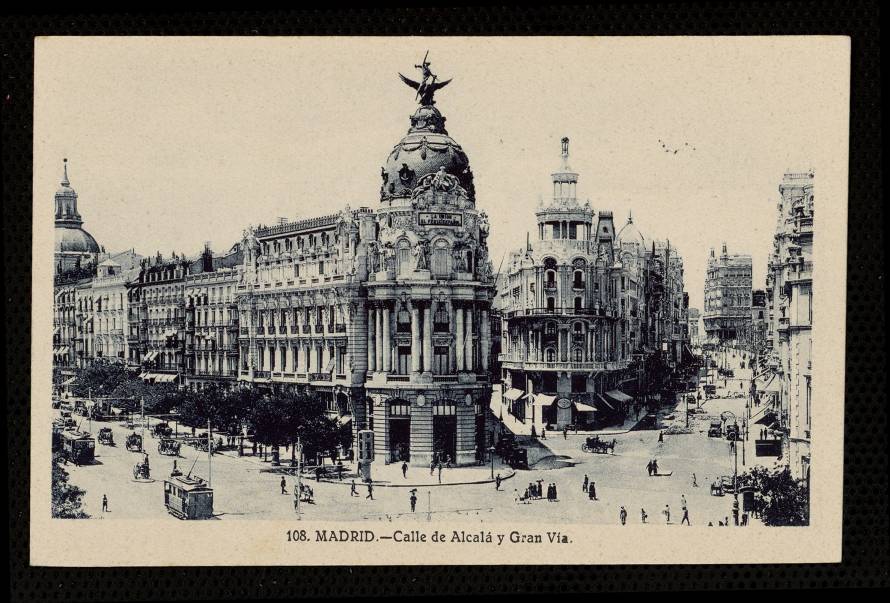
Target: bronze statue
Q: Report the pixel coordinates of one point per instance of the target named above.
(427, 87)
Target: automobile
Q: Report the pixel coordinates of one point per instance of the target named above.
(727, 484)
(715, 430)
(106, 436)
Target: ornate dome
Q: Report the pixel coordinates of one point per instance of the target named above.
(424, 150)
(71, 239)
(629, 233)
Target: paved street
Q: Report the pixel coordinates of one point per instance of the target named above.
(245, 488)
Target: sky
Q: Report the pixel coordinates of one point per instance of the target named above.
(172, 142)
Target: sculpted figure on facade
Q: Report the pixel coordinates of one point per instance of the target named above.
(421, 251)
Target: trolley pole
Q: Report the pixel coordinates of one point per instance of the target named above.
(299, 474)
(209, 456)
(142, 407)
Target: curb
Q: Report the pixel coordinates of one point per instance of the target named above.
(394, 485)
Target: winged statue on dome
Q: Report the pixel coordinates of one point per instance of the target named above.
(427, 87)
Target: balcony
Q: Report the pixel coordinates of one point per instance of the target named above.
(319, 376)
(261, 330)
(294, 329)
(319, 328)
(536, 365)
(340, 328)
(307, 329)
(282, 329)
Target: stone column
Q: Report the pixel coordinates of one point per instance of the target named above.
(452, 361)
(427, 340)
(387, 346)
(484, 340)
(378, 337)
(415, 339)
(468, 339)
(372, 331)
(459, 338)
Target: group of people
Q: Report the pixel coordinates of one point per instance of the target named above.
(589, 487)
(535, 491)
(666, 512)
(652, 467)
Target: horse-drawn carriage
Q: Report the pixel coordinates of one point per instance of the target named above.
(599, 446)
(134, 442)
(162, 430)
(511, 453)
(106, 436)
(169, 447)
(142, 470)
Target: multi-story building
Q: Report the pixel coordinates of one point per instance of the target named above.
(386, 312)
(575, 309)
(694, 318)
(727, 312)
(759, 319)
(156, 316)
(790, 301)
(110, 301)
(211, 319)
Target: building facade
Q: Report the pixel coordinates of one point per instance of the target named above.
(789, 295)
(694, 322)
(727, 311)
(385, 312)
(581, 308)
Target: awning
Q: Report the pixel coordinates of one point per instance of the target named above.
(604, 402)
(68, 381)
(152, 355)
(163, 378)
(330, 365)
(169, 333)
(56, 330)
(768, 418)
(773, 385)
(544, 400)
(514, 394)
(619, 396)
(584, 407)
(345, 420)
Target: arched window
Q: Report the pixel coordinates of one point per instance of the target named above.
(440, 319)
(578, 304)
(550, 279)
(404, 257)
(441, 258)
(578, 281)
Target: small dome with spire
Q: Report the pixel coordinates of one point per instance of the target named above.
(71, 240)
(630, 234)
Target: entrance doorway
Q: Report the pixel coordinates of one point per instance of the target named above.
(563, 412)
(444, 431)
(399, 426)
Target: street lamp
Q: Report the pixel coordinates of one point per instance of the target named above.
(491, 450)
(735, 471)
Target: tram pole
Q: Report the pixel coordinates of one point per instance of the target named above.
(209, 456)
(299, 473)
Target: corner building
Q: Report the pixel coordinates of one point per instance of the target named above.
(386, 312)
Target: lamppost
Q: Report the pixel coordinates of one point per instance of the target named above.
(735, 470)
(491, 455)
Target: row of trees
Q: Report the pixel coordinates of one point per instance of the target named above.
(273, 420)
(783, 500)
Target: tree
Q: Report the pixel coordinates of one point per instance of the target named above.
(99, 379)
(66, 498)
(785, 500)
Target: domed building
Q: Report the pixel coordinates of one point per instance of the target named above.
(75, 247)
(384, 313)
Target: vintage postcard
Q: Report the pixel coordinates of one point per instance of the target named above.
(314, 301)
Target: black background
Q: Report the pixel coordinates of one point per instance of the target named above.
(865, 539)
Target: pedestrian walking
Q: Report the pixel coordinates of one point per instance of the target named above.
(555, 497)
(685, 516)
(534, 433)
(283, 485)
(660, 437)
(694, 481)
(404, 470)
(104, 503)
(643, 515)
(340, 470)
(683, 500)
(440, 472)
(654, 466)
(565, 433)
(352, 489)
(544, 433)
(515, 496)
(622, 516)
(667, 513)
(497, 481)
(649, 467)
(413, 500)
(591, 491)
(586, 482)
(370, 491)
